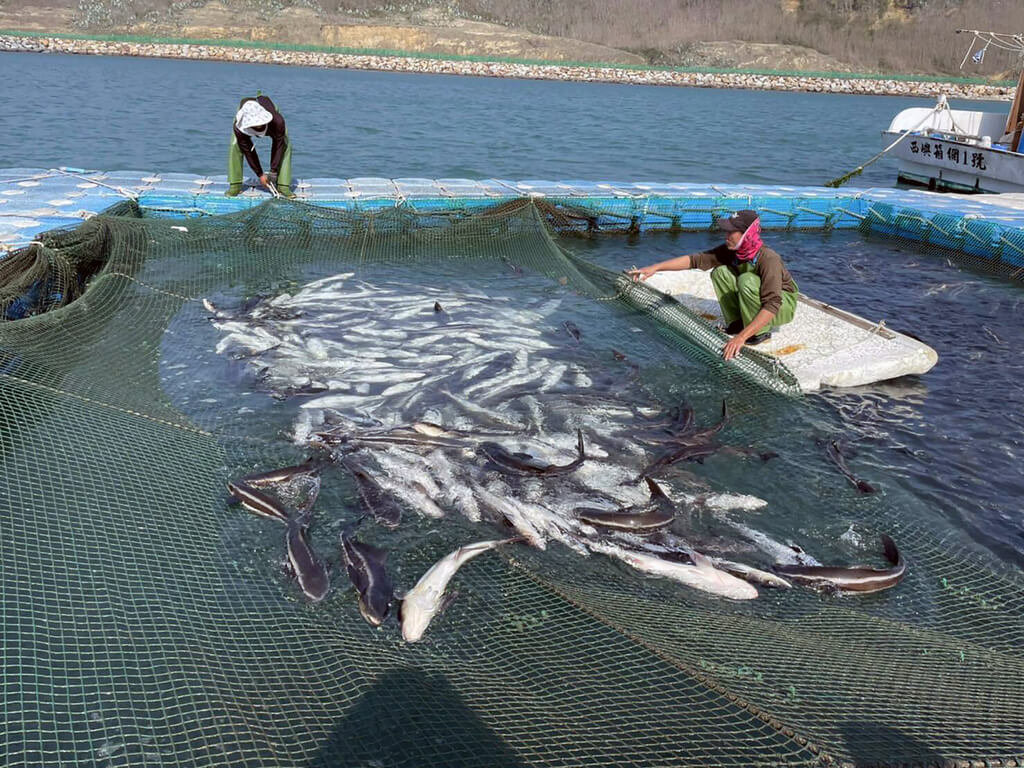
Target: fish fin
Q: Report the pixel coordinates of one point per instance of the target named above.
(438, 307)
(892, 554)
(865, 487)
(767, 455)
(579, 444)
(657, 492)
(725, 409)
(398, 610)
(701, 561)
(446, 601)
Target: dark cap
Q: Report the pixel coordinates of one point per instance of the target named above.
(738, 222)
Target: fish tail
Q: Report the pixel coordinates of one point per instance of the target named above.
(892, 554)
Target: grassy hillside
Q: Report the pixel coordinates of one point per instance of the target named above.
(886, 36)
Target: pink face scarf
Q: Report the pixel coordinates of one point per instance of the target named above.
(750, 244)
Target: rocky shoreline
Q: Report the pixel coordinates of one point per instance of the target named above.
(554, 71)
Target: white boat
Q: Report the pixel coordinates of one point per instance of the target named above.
(954, 150)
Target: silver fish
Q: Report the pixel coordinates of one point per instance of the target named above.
(749, 573)
(700, 574)
(427, 599)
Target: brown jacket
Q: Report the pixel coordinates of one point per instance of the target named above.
(775, 278)
(275, 131)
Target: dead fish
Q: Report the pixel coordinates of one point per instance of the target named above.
(835, 453)
(749, 573)
(310, 572)
(853, 579)
(573, 330)
(427, 599)
(431, 429)
(376, 501)
(213, 310)
(671, 547)
(367, 568)
(258, 502)
(700, 573)
(525, 464)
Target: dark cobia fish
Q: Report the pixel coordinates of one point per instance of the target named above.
(695, 446)
(525, 464)
(310, 572)
(650, 518)
(257, 501)
(283, 475)
(367, 568)
(856, 578)
(573, 330)
(835, 453)
(376, 501)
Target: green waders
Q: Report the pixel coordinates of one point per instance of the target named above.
(739, 296)
(284, 176)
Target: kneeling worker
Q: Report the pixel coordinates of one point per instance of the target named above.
(755, 290)
(259, 117)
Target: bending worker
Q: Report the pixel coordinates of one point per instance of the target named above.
(755, 290)
(259, 117)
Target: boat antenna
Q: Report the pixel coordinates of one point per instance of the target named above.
(999, 40)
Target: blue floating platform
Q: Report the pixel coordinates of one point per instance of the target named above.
(34, 200)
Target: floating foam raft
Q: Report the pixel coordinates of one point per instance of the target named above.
(823, 346)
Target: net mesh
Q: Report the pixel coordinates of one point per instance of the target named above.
(143, 625)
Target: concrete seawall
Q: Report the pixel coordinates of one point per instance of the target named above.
(416, 64)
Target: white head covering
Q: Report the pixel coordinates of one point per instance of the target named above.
(252, 114)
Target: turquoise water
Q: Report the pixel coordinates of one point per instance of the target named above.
(167, 116)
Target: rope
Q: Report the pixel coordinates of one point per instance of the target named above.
(120, 190)
(26, 178)
(839, 181)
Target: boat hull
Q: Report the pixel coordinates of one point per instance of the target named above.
(954, 166)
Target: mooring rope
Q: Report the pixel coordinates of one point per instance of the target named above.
(839, 181)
